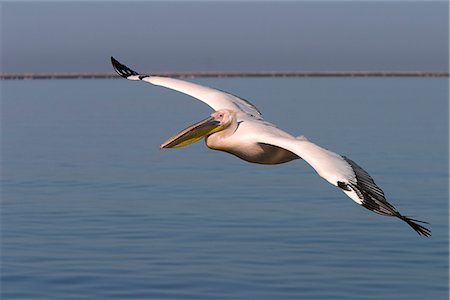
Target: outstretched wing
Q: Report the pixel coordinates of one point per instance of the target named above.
(214, 98)
(344, 173)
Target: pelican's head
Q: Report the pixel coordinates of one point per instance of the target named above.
(217, 121)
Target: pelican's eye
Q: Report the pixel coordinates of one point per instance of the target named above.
(218, 116)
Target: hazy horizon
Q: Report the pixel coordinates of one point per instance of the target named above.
(74, 37)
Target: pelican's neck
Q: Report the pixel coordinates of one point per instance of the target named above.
(218, 139)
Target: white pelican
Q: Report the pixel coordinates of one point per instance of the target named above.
(237, 127)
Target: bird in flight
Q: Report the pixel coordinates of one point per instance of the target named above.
(236, 126)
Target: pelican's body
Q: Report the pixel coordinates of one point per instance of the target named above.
(238, 139)
(237, 127)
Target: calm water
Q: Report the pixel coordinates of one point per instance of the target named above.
(92, 209)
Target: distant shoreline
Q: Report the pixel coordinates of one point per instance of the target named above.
(30, 76)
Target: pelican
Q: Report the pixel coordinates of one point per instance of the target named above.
(236, 126)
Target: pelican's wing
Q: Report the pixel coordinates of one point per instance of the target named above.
(214, 98)
(344, 173)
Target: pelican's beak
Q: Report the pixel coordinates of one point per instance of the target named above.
(193, 133)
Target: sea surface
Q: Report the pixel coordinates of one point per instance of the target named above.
(91, 208)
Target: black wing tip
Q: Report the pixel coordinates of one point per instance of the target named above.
(373, 198)
(121, 69)
(421, 230)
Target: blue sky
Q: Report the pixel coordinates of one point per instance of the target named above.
(224, 36)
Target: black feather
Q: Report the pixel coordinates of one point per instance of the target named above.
(421, 230)
(344, 186)
(122, 70)
(372, 198)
